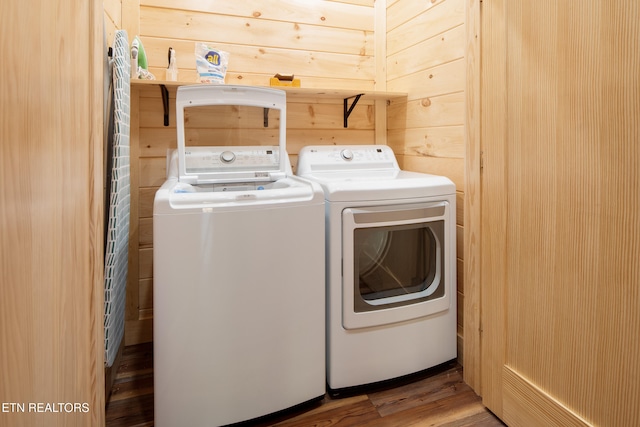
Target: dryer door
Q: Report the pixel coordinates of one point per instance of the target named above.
(394, 265)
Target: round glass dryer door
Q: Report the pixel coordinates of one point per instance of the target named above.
(396, 265)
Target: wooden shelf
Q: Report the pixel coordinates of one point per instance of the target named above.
(298, 91)
(292, 92)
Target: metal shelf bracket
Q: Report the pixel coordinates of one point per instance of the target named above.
(165, 103)
(349, 108)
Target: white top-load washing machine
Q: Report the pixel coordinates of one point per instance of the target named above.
(238, 298)
(391, 265)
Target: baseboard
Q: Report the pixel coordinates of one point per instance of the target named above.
(524, 404)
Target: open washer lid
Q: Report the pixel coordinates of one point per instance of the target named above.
(234, 150)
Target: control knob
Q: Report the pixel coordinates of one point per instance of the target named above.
(346, 154)
(227, 156)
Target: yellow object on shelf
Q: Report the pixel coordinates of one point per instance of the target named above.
(284, 80)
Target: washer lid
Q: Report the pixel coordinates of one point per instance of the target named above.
(231, 134)
(176, 197)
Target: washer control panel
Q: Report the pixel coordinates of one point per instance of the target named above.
(214, 159)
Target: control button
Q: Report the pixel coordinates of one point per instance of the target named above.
(346, 154)
(227, 156)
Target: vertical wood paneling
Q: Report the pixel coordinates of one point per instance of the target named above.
(493, 206)
(568, 338)
(51, 207)
(472, 206)
(380, 37)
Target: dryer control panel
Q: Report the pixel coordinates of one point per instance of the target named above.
(346, 157)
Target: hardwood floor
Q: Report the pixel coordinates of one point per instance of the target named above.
(441, 399)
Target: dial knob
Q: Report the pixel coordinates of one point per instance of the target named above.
(346, 154)
(227, 156)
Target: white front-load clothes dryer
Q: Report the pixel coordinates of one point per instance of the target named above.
(391, 271)
(238, 298)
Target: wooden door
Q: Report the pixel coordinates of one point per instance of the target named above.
(51, 214)
(560, 258)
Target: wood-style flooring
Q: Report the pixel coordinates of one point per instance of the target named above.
(441, 399)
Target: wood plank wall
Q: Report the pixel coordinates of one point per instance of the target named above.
(112, 18)
(327, 44)
(425, 58)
